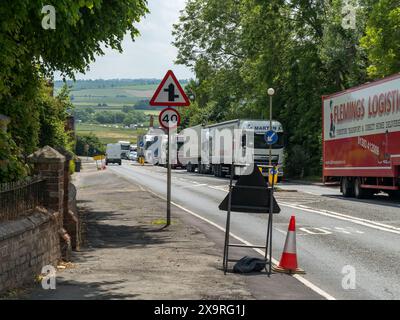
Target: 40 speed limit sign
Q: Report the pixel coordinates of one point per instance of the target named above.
(169, 118)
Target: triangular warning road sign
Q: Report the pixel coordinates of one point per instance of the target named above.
(170, 93)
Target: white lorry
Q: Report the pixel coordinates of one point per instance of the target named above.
(191, 159)
(125, 149)
(113, 153)
(205, 157)
(150, 145)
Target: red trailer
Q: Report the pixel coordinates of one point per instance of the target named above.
(361, 138)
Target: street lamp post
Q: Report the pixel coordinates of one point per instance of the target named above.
(271, 170)
(271, 92)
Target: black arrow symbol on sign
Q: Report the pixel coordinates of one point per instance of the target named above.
(171, 93)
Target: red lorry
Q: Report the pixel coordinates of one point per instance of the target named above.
(361, 138)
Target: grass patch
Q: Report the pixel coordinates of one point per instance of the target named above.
(161, 222)
(112, 96)
(107, 134)
(14, 294)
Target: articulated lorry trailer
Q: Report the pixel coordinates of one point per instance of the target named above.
(209, 160)
(361, 138)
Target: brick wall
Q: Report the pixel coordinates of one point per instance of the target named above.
(26, 246)
(42, 238)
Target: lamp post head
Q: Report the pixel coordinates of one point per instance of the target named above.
(271, 91)
(192, 97)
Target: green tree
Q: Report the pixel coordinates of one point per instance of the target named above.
(238, 49)
(382, 39)
(89, 143)
(53, 115)
(12, 164)
(29, 54)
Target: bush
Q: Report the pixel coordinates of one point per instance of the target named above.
(296, 162)
(72, 166)
(94, 146)
(12, 166)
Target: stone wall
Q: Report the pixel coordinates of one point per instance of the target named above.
(26, 246)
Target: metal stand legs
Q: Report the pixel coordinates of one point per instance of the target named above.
(268, 244)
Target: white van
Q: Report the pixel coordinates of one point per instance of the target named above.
(113, 153)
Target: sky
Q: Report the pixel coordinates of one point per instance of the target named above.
(151, 55)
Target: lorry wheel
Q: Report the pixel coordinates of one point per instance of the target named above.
(359, 192)
(219, 170)
(120, 163)
(347, 188)
(215, 170)
(223, 173)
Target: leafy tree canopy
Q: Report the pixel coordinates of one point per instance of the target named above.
(240, 48)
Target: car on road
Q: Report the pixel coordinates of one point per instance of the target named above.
(133, 156)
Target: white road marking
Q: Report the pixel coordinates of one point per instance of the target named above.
(342, 230)
(320, 231)
(276, 262)
(193, 186)
(280, 231)
(340, 216)
(332, 214)
(300, 278)
(313, 193)
(220, 188)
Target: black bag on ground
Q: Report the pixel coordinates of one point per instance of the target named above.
(248, 264)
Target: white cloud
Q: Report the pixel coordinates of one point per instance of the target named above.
(151, 55)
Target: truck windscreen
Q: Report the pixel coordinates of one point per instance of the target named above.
(260, 143)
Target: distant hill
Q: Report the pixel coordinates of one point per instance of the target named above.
(112, 94)
(101, 84)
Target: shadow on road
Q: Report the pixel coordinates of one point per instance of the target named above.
(380, 200)
(103, 232)
(81, 290)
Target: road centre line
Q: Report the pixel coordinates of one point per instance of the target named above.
(359, 221)
(332, 214)
(340, 216)
(194, 186)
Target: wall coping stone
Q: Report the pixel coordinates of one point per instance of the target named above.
(46, 155)
(9, 229)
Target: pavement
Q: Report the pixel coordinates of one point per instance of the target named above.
(340, 241)
(130, 254)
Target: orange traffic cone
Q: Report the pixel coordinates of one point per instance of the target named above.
(288, 263)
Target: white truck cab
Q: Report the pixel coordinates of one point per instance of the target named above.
(113, 153)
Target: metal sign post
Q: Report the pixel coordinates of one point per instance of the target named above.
(169, 93)
(169, 178)
(169, 119)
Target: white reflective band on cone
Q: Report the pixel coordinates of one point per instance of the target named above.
(290, 244)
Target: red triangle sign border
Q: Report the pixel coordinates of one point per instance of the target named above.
(153, 102)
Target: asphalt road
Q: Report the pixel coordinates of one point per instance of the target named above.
(338, 240)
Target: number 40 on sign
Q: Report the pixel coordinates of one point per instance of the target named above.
(169, 118)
